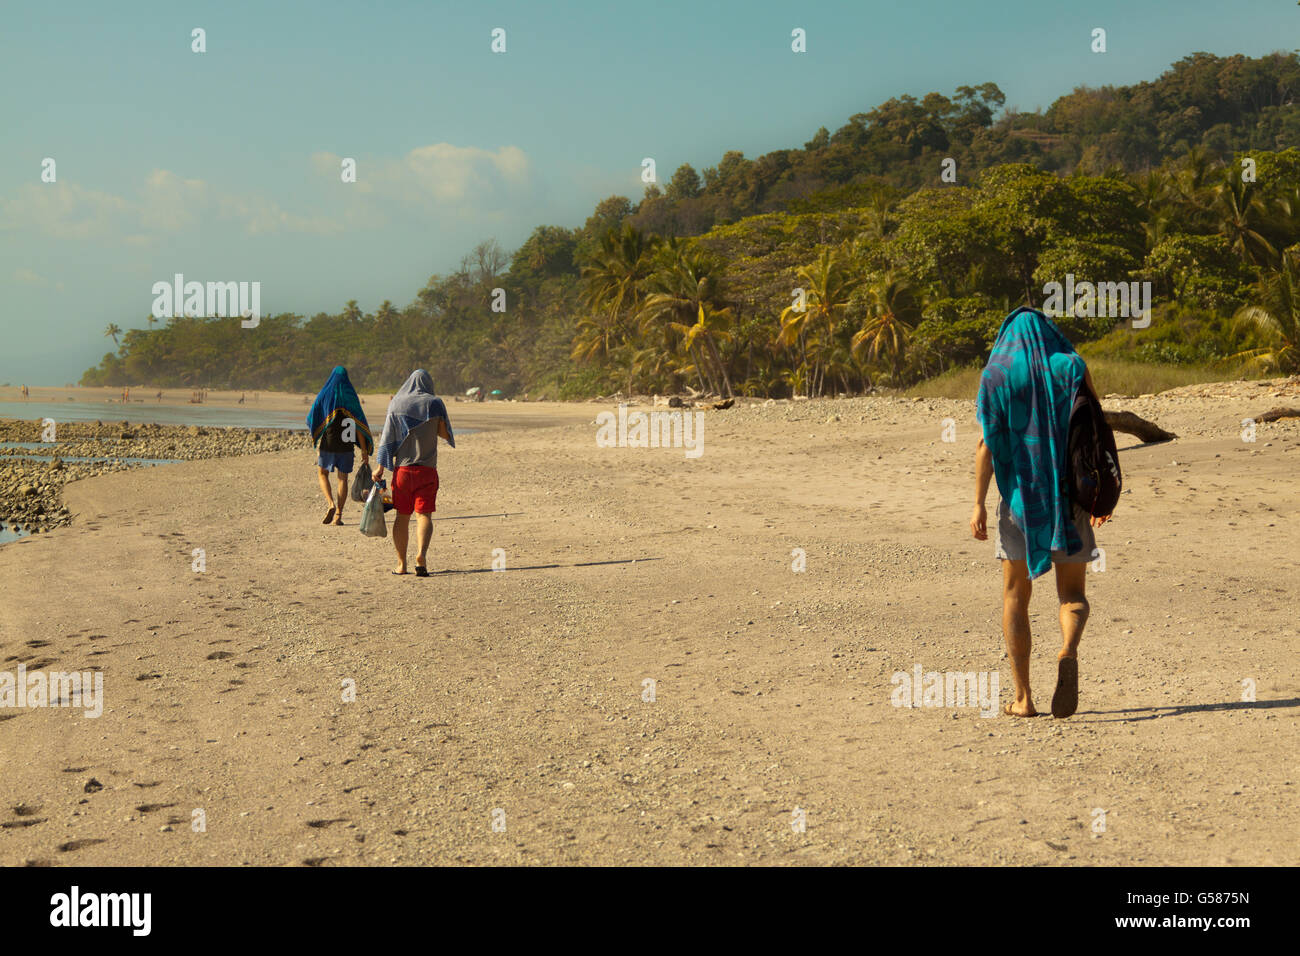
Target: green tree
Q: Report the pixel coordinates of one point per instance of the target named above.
(1275, 316)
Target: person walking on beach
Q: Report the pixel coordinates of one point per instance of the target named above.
(409, 448)
(1023, 407)
(338, 425)
(24, 393)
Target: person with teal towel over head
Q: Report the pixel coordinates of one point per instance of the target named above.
(1025, 396)
(338, 426)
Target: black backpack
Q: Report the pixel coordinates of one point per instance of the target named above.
(1091, 459)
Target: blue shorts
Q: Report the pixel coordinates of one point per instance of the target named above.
(337, 461)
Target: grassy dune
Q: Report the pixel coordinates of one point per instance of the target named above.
(1109, 375)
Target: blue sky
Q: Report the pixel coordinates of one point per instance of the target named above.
(225, 165)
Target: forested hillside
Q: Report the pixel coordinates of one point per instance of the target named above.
(1189, 182)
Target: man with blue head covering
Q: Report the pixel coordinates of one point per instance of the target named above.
(416, 419)
(1025, 396)
(338, 425)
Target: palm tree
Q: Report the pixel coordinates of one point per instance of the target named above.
(828, 285)
(617, 270)
(351, 311)
(685, 281)
(1239, 214)
(1191, 180)
(113, 331)
(386, 314)
(1276, 317)
(891, 312)
(711, 326)
(595, 338)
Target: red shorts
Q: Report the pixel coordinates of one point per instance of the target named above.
(415, 488)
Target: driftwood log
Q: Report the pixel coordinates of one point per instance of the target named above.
(1131, 424)
(1273, 414)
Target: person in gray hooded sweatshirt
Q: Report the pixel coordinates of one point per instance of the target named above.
(408, 447)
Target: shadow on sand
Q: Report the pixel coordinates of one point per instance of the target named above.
(507, 514)
(1151, 713)
(540, 567)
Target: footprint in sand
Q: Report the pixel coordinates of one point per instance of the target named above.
(73, 845)
(219, 655)
(323, 824)
(151, 807)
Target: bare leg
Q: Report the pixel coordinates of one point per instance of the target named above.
(1074, 615)
(343, 496)
(401, 525)
(423, 535)
(325, 490)
(1070, 582)
(1016, 591)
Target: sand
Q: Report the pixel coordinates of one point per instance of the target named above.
(503, 717)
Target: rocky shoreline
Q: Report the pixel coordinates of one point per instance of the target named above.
(31, 491)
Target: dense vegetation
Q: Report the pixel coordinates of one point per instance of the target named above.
(1187, 182)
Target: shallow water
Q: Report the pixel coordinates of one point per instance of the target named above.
(240, 417)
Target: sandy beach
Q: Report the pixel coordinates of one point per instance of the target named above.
(507, 717)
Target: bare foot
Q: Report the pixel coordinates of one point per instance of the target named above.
(329, 516)
(1066, 699)
(1021, 708)
(338, 519)
(401, 569)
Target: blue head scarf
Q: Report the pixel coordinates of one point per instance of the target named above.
(1024, 403)
(414, 404)
(338, 399)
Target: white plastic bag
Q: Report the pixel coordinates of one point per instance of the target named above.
(373, 524)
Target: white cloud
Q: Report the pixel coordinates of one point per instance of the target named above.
(63, 211)
(440, 174)
(171, 204)
(261, 216)
(167, 204)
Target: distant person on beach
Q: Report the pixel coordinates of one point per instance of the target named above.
(160, 396)
(24, 393)
(338, 425)
(409, 448)
(1023, 407)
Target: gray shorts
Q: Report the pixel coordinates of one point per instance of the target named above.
(1011, 540)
